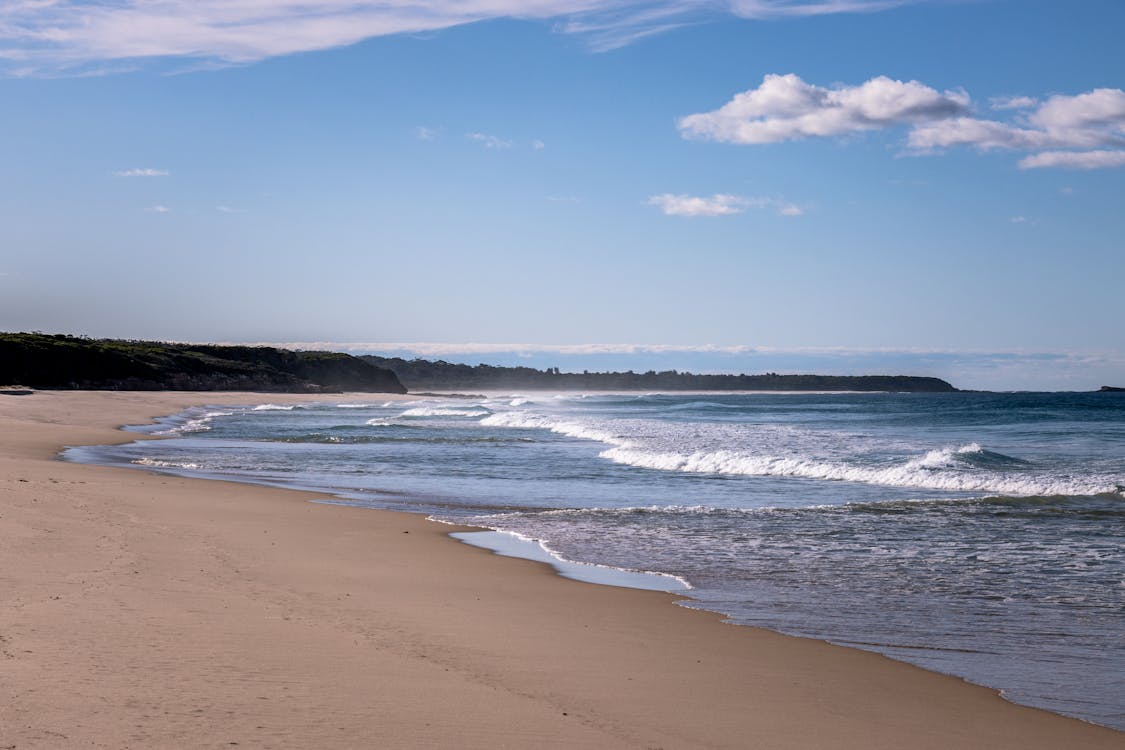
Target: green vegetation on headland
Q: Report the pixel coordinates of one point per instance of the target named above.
(58, 361)
(421, 374)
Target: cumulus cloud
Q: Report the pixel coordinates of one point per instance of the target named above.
(1083, 131)
(720, 204)
(141, 173)
(1086, 121)
(785, 108)
(1100, 108)
(39, 36)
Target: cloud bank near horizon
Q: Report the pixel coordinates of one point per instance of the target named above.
(60, 36)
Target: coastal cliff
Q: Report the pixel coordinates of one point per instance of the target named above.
(422, 375)
(58, 361)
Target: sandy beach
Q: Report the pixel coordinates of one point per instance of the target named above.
(149, 611)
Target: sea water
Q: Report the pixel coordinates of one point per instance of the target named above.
(980, 535)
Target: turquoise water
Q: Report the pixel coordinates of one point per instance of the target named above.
(981, 535)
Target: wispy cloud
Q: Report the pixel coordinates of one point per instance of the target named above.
(489, 141)
(720, 204)
(1074, 160)
(1012, 102)
(230, 210)
(83, 36)
(424, 133)
(1083, 131)
(138, 172)
(158, 209)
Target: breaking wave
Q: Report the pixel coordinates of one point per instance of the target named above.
(966, 468)
(428, 411)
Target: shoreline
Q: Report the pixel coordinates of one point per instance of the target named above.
(148, 610)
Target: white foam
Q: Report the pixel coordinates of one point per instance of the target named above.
(529, 420)
(201, 423)
(428, 411)
(274, 407)
(514, 544)
(155, 464)
(931, 471)
(357, 406)
(644, 446)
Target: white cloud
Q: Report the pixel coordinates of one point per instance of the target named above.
(229, 210)
(424, 133)
(1012, 102)
(1018, 219)
(42, 36)
(538, 145)
(1084, 131)
(142, 173)
(489, 141)
(1095, 109)
(158, 209)
(1074, 160)
(1089, 121)
(687, 205)
(785, 108)
(987, 135)
(720, 204)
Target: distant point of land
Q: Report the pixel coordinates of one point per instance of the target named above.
(427, 375)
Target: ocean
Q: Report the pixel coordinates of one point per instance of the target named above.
(976, 534)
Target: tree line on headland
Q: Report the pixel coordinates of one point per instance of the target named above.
(58, 361)
(427, 375)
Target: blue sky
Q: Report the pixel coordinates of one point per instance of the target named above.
(842, 186)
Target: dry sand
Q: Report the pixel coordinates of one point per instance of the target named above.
(147, 611)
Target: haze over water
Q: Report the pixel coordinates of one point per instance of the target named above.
(980, 535)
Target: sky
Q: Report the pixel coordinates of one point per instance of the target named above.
(930, 187)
